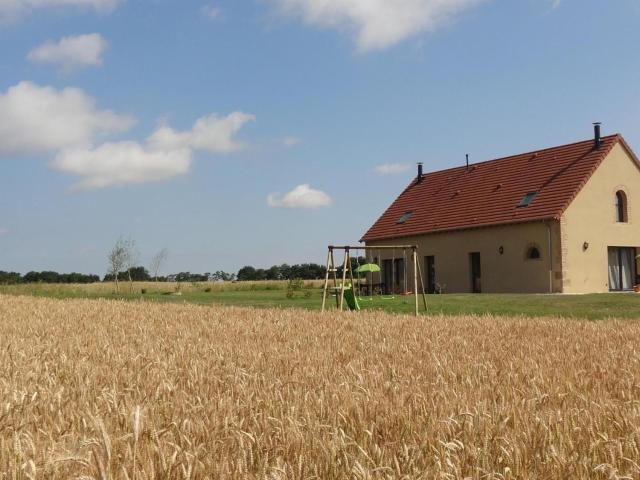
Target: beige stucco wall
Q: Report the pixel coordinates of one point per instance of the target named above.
(591, 218)
(509, 272)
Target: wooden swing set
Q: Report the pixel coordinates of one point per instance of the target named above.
(344, 292)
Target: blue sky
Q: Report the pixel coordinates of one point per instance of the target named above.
(238, 132)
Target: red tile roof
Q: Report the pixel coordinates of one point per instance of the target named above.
(488, 193)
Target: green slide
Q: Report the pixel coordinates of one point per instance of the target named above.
(350, 298)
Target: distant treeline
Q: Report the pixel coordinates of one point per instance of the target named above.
(141, 274)
(304, 271)
(46, 277)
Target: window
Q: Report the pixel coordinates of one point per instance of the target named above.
(621, 207)
(533, 253)
(406, 216)
(528, 198)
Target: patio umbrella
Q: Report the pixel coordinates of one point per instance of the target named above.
(368, 268)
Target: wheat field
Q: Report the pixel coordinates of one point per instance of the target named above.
(102, 389)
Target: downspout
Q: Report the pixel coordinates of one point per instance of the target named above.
(550, 257)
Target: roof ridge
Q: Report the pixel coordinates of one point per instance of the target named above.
(605, 138)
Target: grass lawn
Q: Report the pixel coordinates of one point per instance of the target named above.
(593, 307)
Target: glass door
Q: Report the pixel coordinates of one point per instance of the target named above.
(393, 275)
(621, 268)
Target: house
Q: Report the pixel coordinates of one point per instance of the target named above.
(558, 220)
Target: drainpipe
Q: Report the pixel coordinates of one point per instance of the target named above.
(550, 257)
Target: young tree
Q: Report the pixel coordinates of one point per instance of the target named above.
(117, 259)
(132, 256)
(158, 261)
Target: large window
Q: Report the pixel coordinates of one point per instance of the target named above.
(621, 268)
(393, 274)
(621, 207)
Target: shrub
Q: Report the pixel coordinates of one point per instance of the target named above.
(295, 284)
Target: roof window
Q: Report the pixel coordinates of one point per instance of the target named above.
(528, 198)
(405, 217)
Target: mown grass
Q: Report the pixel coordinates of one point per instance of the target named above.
(273, 295)
(97, 389)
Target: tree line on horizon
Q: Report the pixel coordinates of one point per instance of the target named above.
(124, 264)
(304, 271)
(10, 278)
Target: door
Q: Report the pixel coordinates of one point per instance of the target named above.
(476, 272)
(621, 268)
(430, 270)
(387, 276)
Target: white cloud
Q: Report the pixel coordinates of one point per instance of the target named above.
(392, 168)
(12, 9)
(377, 24)
(122, 163)
(211, 12)
(166, 153)
(210, 133)
(303, 196)
(290, 142)
(71, 53)
(37, 119)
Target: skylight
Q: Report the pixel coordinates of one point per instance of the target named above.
(528, 198)
(405, 217)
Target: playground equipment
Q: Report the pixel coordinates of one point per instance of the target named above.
(350, 297)
(344, 291)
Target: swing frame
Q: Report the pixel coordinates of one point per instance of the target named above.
(339, 289)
